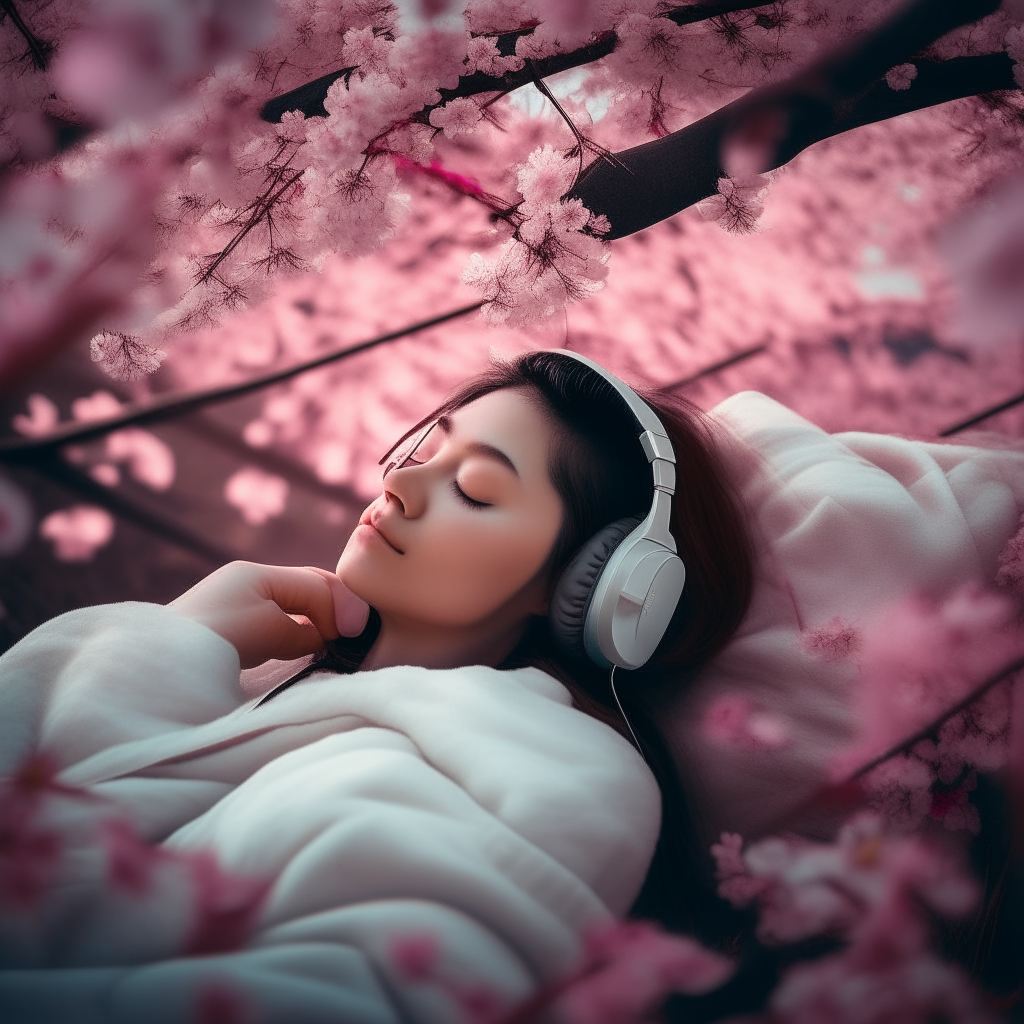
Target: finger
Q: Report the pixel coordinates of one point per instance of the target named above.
(294, 640)
(299, 590)
(350, 612)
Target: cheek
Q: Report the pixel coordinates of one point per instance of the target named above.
(460, 570)
(471, 571)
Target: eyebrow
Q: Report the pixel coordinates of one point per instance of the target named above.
(479, 447)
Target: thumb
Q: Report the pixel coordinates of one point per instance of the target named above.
(350, 612)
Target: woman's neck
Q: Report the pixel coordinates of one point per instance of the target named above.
(432, 646)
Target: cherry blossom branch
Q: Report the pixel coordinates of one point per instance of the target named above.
(843, 90)
(261, 208)
(849, 786)
(39, 49)
(52, 466)
(931, 729)
(309, 98)
(984, 415)
(23, 451)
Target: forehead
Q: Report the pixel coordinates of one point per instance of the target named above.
(510, 419)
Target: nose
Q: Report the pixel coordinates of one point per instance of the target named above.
(403, 488)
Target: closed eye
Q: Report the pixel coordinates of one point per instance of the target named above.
(466, 499)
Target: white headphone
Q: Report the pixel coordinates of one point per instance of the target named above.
(614, 601)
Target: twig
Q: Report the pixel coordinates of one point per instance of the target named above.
(977, 418)
(737, 357)
(25, 450)
(40, 49)
(51, 465)
(933, 727)
(826, 794)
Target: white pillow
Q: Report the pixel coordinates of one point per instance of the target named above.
(844, 524)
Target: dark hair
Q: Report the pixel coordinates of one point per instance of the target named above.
(601, 475)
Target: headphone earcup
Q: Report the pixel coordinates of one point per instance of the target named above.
(571, 598)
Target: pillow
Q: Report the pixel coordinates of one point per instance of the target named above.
(844, 524)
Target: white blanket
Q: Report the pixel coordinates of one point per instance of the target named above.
(845, 525)
(472, 805)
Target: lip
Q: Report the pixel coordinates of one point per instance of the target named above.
(367, 520)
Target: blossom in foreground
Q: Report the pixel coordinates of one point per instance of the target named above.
(804, 889)
(866, 890)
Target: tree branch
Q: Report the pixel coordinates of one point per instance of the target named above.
(309, 98)
(51, 465)
(983, 415)
(841, 91)
(25, 451)
(39, 49)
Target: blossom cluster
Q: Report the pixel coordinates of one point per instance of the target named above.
(869, 893)
(223, 204)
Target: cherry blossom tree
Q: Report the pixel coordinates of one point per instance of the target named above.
(239, 194)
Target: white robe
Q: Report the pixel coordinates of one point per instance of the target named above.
(473, 806)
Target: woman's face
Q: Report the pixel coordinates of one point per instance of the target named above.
(461, 532)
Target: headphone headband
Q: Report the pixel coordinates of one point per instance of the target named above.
(615, 599)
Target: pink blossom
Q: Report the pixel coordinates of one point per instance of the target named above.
(100, 405)
(77, 533)
(131, 56)
(1010, 574)
(738, 722)
(364, 49)
(259, 496)
(16, 518)
(150, 459)
(834, 641)
(226, 906)
(908, 990)
(124, 356)
(42, 419)
(803, 889)
(737, 206)
(415, 956)
(218, 1003)
(29, 850)
(920, 657)
(544, 178)
(900, 77)
(630, 968)
(456, 117)
(105, 473)
(482, 55)
(130, 862)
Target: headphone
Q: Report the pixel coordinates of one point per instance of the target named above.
(613, 602)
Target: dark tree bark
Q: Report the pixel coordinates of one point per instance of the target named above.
(844, 89)
(660, 178)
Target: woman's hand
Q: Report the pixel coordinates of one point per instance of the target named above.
(252, 605)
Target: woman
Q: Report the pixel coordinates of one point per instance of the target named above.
(461, 784)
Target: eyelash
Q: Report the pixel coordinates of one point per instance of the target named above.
(466, 499)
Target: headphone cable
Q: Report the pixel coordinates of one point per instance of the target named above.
(625, 717)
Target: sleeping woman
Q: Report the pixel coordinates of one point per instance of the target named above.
(459, 766)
